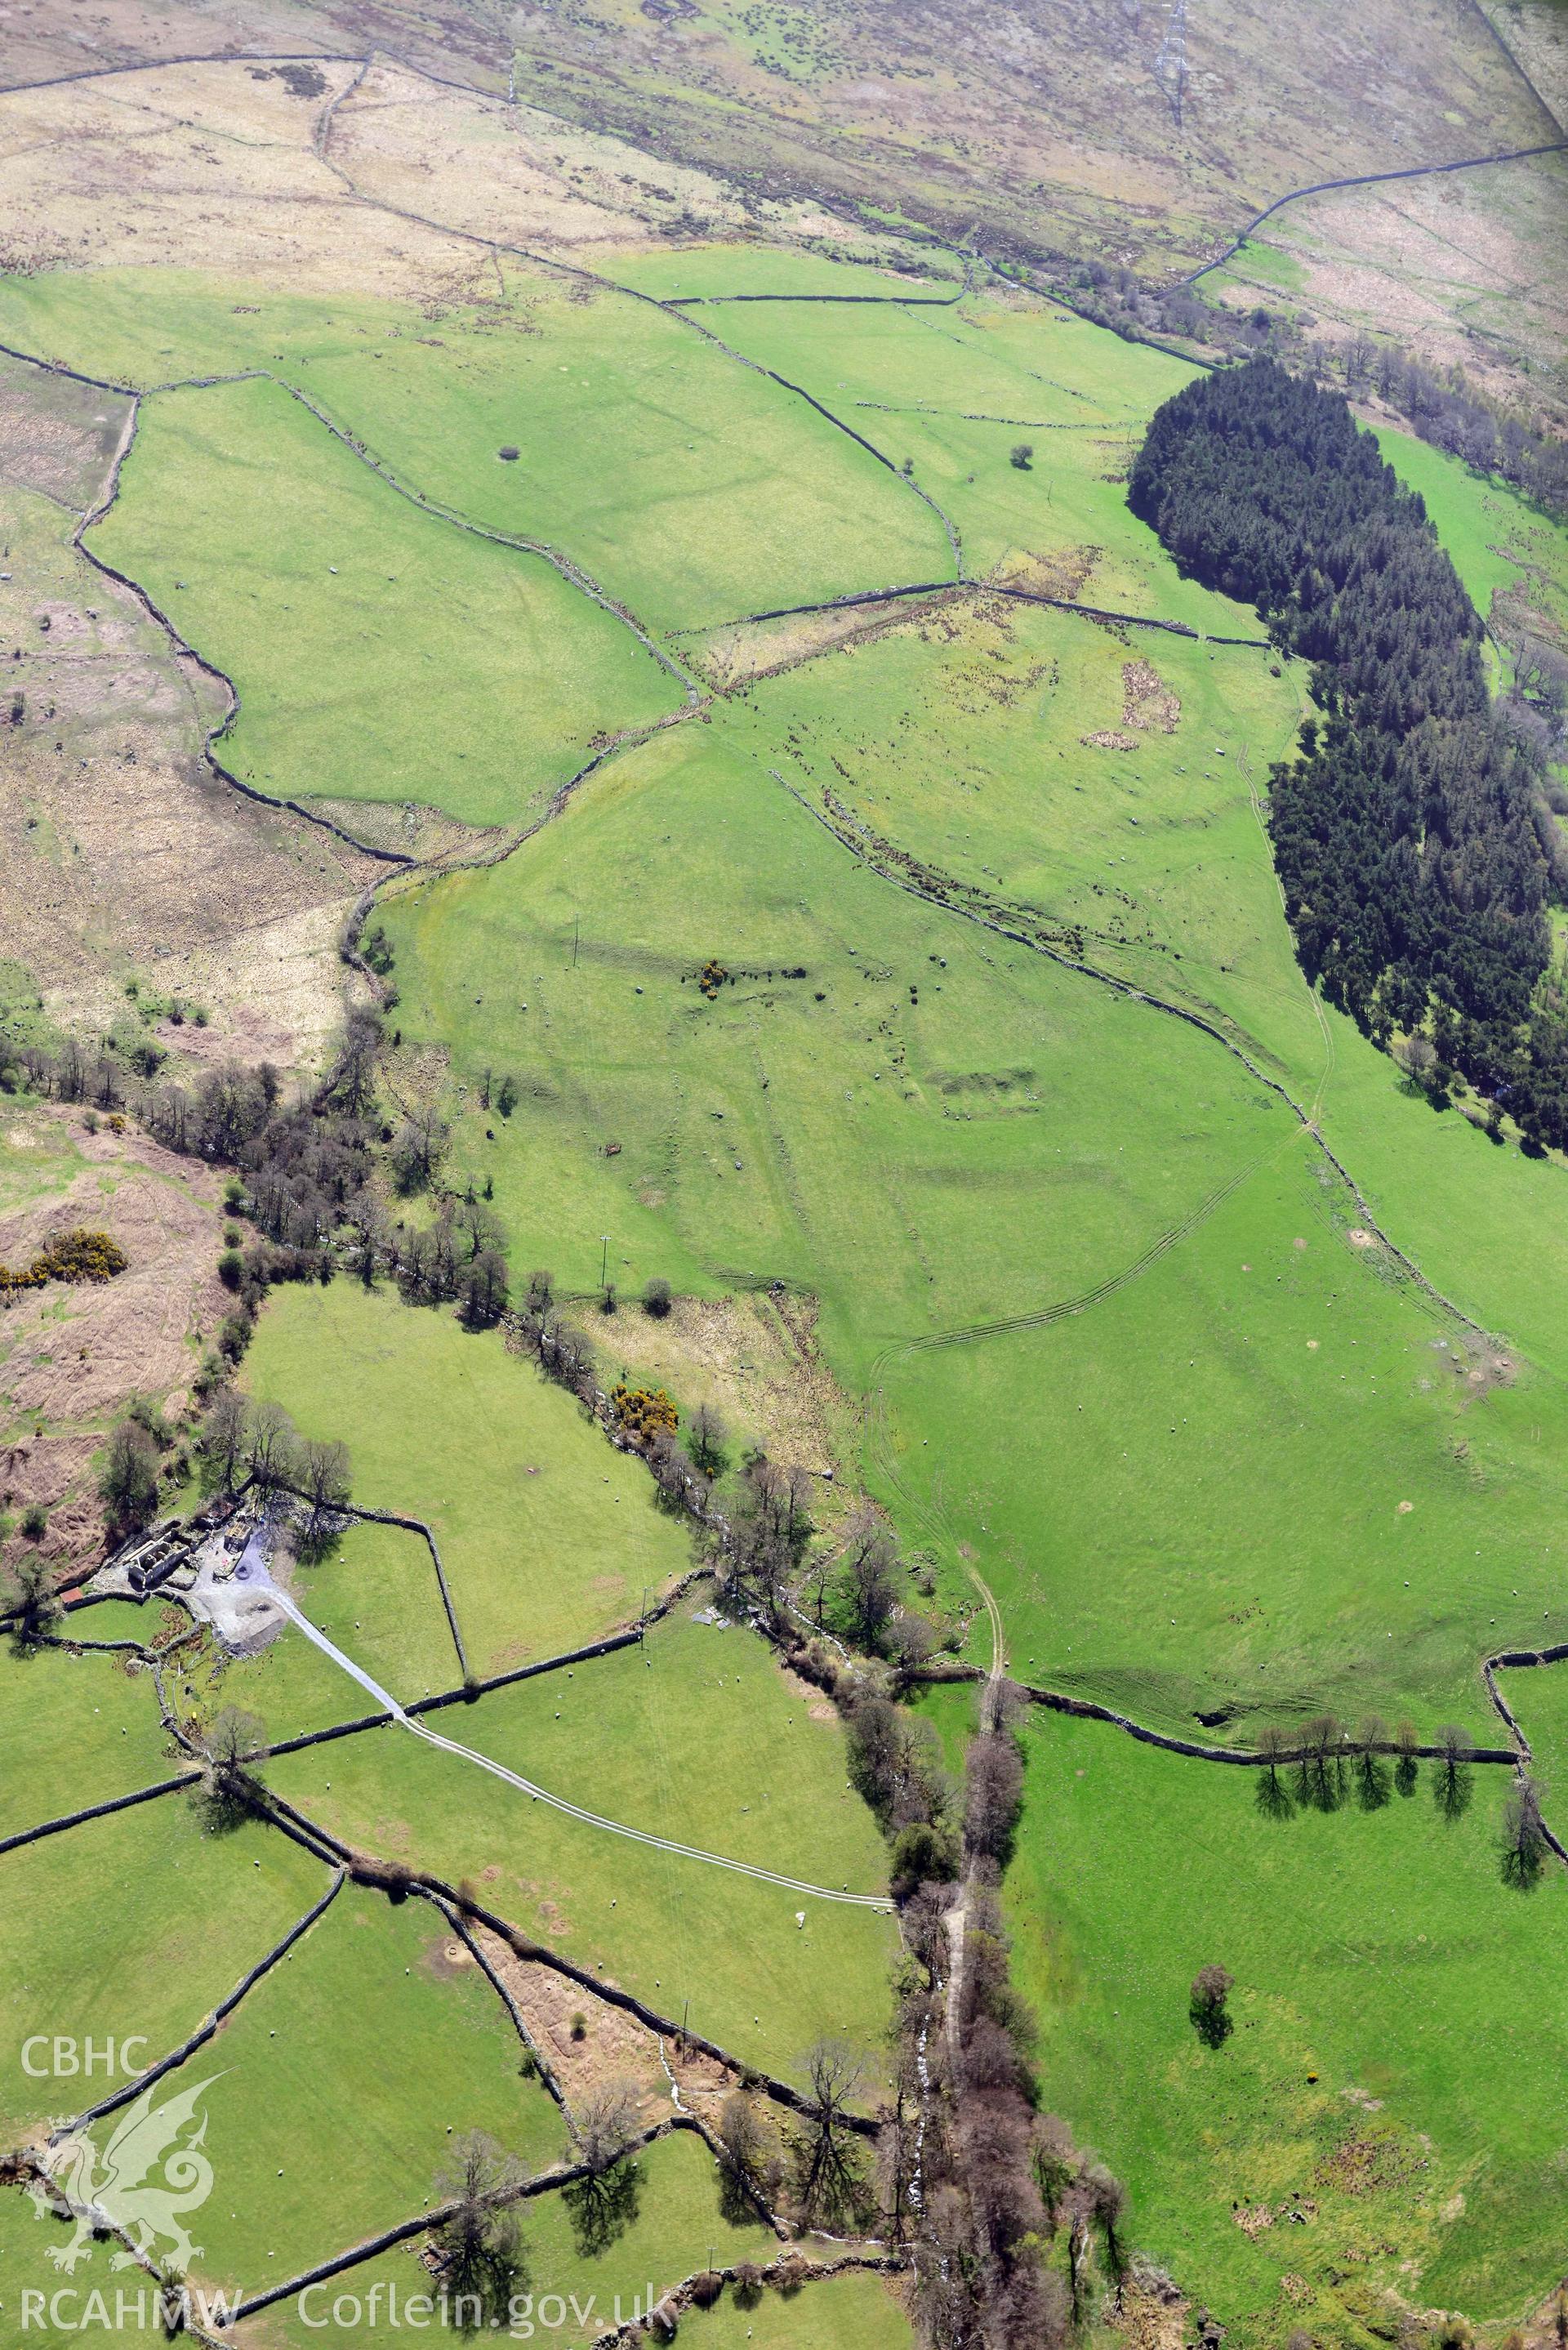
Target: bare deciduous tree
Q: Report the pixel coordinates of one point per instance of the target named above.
(354, 1079)
(608, 2122)
(829, 2183)
(478, 2244)
(994, 1791)
(28, 1595)
(1524, 1845)
(128, 1482)
(868, 1577)
(326, 1477)
(230, 1750)
(706, 1440)
(910, 1641)
(752, 2147)
(1455, 1749)
(894, 1762)
(419, 1141)
(368, 1226)
(1055, 2161)
(484, 1290)
(272, 1445)
(1210, 1990)
(1108, 2204)
(478, 1225)
(225, 1437)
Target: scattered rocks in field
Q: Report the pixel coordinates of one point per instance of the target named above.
(1148, 702)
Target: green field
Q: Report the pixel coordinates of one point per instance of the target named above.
(1503, 547)
(1537, 1696)
(1277, 1484)
(37, 1153)
(682, 1760)
(675, 2224)
(376, 1597)
(683, 481)
(319, 2129)
(1121, 1337)
(940, 1142)
(638, 1736)
(74, 1730)
(913, 1161)
(192, 1911)
(955, 392)
(757, 268)
(27, 2239)
(849, 2312)
(1393, 2061)
(1094, 780)
(549, 1538)
(460, 674)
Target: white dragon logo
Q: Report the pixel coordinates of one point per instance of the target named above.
(147, 2182)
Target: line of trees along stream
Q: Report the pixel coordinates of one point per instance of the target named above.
(1412, 831)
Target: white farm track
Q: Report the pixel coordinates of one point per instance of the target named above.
(257, 1576)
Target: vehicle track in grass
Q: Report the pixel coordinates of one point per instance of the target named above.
(1307, 1116)
(419, 1729)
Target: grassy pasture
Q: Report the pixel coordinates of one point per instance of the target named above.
(926, 1127)
(139, 1923)
(27, 2238)
(695, 1733)
(938, 746)
(1027, 1136)
(679, 2221)
(675, 2224)
(1499, 543)
(151, 1624)
(1484, 1223)
(377, 1597)
(967, 736)
(74, 1730)
(458, 673)
(848, 2312)
(686, 483)
(956, 746)
(1275, 1479)
(743, 267)
(1387, 1983)
(670, 1929)
(680, 479)
(957, 389)
(548, 1537)
(37, 1153)
(1537, 1695)
(152, 328)
(335, 2083)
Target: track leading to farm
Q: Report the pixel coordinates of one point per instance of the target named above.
(538, 1795)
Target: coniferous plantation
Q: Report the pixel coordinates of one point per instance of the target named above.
(1412, 832)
